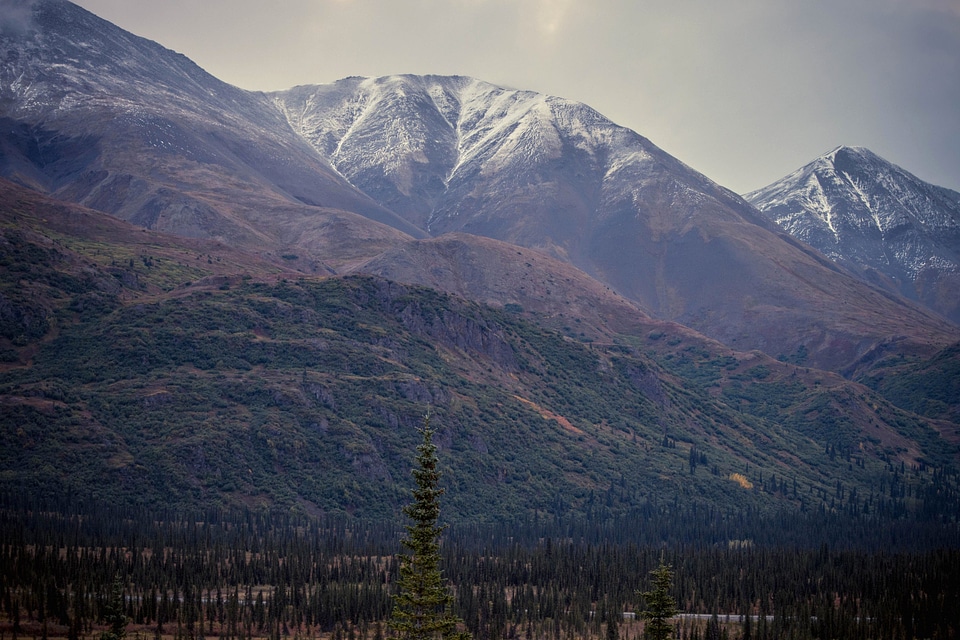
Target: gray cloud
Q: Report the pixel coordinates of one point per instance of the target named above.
(744, 92)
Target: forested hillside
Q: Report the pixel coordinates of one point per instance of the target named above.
(146, 377)
(142, 369)
(308, 393)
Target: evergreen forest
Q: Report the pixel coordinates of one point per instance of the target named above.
(240, 573)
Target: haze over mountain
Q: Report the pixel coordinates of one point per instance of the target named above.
(871, 215)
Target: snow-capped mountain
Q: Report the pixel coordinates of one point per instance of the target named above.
(329, 177)
(870, 214)
(99, 116)
(458, 154)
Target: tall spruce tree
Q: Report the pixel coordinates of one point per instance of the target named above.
(423, 606)
(660, 604)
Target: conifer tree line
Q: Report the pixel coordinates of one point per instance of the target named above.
(249, 574)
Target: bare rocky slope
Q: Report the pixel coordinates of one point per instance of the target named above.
(98, 116)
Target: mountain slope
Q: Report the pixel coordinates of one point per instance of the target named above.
(269, 389)
(870, 215)
(551, 292)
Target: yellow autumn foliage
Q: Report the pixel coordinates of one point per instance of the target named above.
(741, 480)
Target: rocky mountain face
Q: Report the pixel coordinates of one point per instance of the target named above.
(874, 217)
(329, 178)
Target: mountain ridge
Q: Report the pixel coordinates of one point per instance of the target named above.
(164, 144)
(348, 171)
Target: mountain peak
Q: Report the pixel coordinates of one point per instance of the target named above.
(847, 156)
(850, 149)
(866, 212)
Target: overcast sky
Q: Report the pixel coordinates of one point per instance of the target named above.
(743, 91)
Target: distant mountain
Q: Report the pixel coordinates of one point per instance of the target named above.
(874, 217)
(457, 154)
(327, 178)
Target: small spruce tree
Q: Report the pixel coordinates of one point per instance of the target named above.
(423, 606)
(660, 604)
(115, 614)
